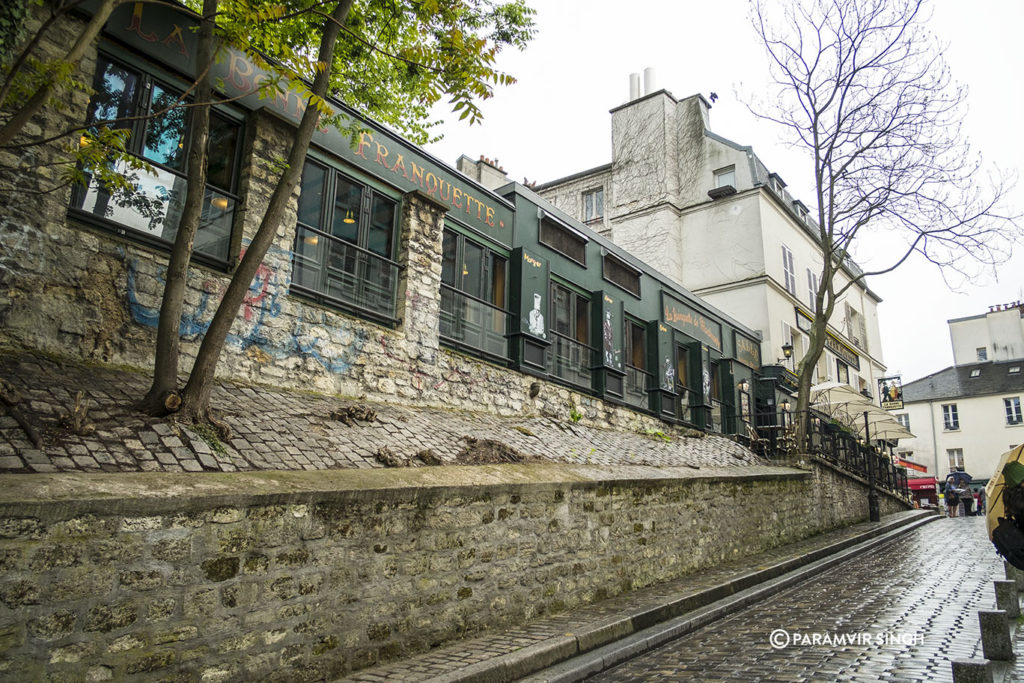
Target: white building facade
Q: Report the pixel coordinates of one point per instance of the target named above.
(707, 213)
(969, 414)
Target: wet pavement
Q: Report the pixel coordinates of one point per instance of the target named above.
(900, 612)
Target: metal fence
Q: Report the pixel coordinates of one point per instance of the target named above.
(775, 436)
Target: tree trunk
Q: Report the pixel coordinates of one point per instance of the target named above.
(73, 56)
(162, 396)
(196, 395)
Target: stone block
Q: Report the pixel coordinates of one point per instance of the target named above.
(106, 618)
(995, 635)
(1007, 598)
(971, 671)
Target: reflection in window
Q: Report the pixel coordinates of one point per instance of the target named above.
(344, 243)
(125, 98)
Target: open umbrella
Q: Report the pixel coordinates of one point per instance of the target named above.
(994, 489)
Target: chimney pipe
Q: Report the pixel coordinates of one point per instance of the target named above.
(634, 86)
(648, 80)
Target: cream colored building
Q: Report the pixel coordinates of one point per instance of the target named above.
(706, 212)
(970, 414)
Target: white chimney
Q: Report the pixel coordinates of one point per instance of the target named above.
(634, 86)
(648, 80)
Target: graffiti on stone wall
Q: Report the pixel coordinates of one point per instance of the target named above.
(260, 330)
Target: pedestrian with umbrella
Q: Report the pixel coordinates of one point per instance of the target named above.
(958, 488)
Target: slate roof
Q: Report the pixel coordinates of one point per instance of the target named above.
(956, 382)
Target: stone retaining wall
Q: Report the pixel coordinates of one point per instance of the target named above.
(301, 576)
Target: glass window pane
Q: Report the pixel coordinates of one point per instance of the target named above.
(582, 320)
(221, 152)
(382, 226)
(472, 269)
(347, 198)
(498, 281)
(115, 94)
(165, 130)
(560, 316)
(311, 197)
(636, 346)
(449, 249)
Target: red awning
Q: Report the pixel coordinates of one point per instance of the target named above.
(918, 483)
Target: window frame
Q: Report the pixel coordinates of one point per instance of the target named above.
(368, 193)
(812, 289)
(621, 263)
(982, 353)
(788, 270)
(955, 457)
(950, 417)
(559, 226)
(148, 76)
(1012, 409)
(588, 205)
(723, 173)
(903, 419)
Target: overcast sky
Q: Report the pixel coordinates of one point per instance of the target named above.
(555, 122)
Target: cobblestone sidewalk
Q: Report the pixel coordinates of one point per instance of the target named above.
(280, 430)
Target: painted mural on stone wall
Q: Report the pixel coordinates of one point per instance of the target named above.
(328, 340)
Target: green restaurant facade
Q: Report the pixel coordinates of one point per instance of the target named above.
(522, 285)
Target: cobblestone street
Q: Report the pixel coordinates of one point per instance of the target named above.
(910, 606)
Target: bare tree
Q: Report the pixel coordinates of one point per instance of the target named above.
(862, 86)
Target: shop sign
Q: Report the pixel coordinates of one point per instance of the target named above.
(689, 322)
(890, 392)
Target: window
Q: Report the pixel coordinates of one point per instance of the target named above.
(789, 270)
(1014, 369)
(620, 273)
(842, 372)
(1012, 406)
(344, 243)
(725, 177)
(903, 419)
(473, 295)
(950, 419)
(593, 204)
(571, 355)
(564, 241)
(636, 362)
(956, 457)
(976, 372)
(127, 98)
(812, 289)
(982, 353)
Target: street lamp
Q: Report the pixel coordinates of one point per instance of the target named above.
(787, 353)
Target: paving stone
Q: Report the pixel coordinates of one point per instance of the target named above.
(11, 462)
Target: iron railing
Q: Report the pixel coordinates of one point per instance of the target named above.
(334, 269)
(636, 388)
(775, 435)
(570, 360)
(472, 323)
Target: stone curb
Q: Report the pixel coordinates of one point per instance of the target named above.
(612, 641)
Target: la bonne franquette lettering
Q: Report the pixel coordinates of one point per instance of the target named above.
(431, 183)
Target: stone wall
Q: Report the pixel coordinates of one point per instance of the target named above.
(301, 576)
(73, 290)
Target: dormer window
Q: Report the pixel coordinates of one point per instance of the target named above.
(800, 209)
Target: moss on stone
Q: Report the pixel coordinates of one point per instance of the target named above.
(221, 568)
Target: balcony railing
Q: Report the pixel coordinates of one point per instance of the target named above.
(570, 360)
(336, 270)
(474, 324)
(717, 416)
(636, 387)
(683, 411)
